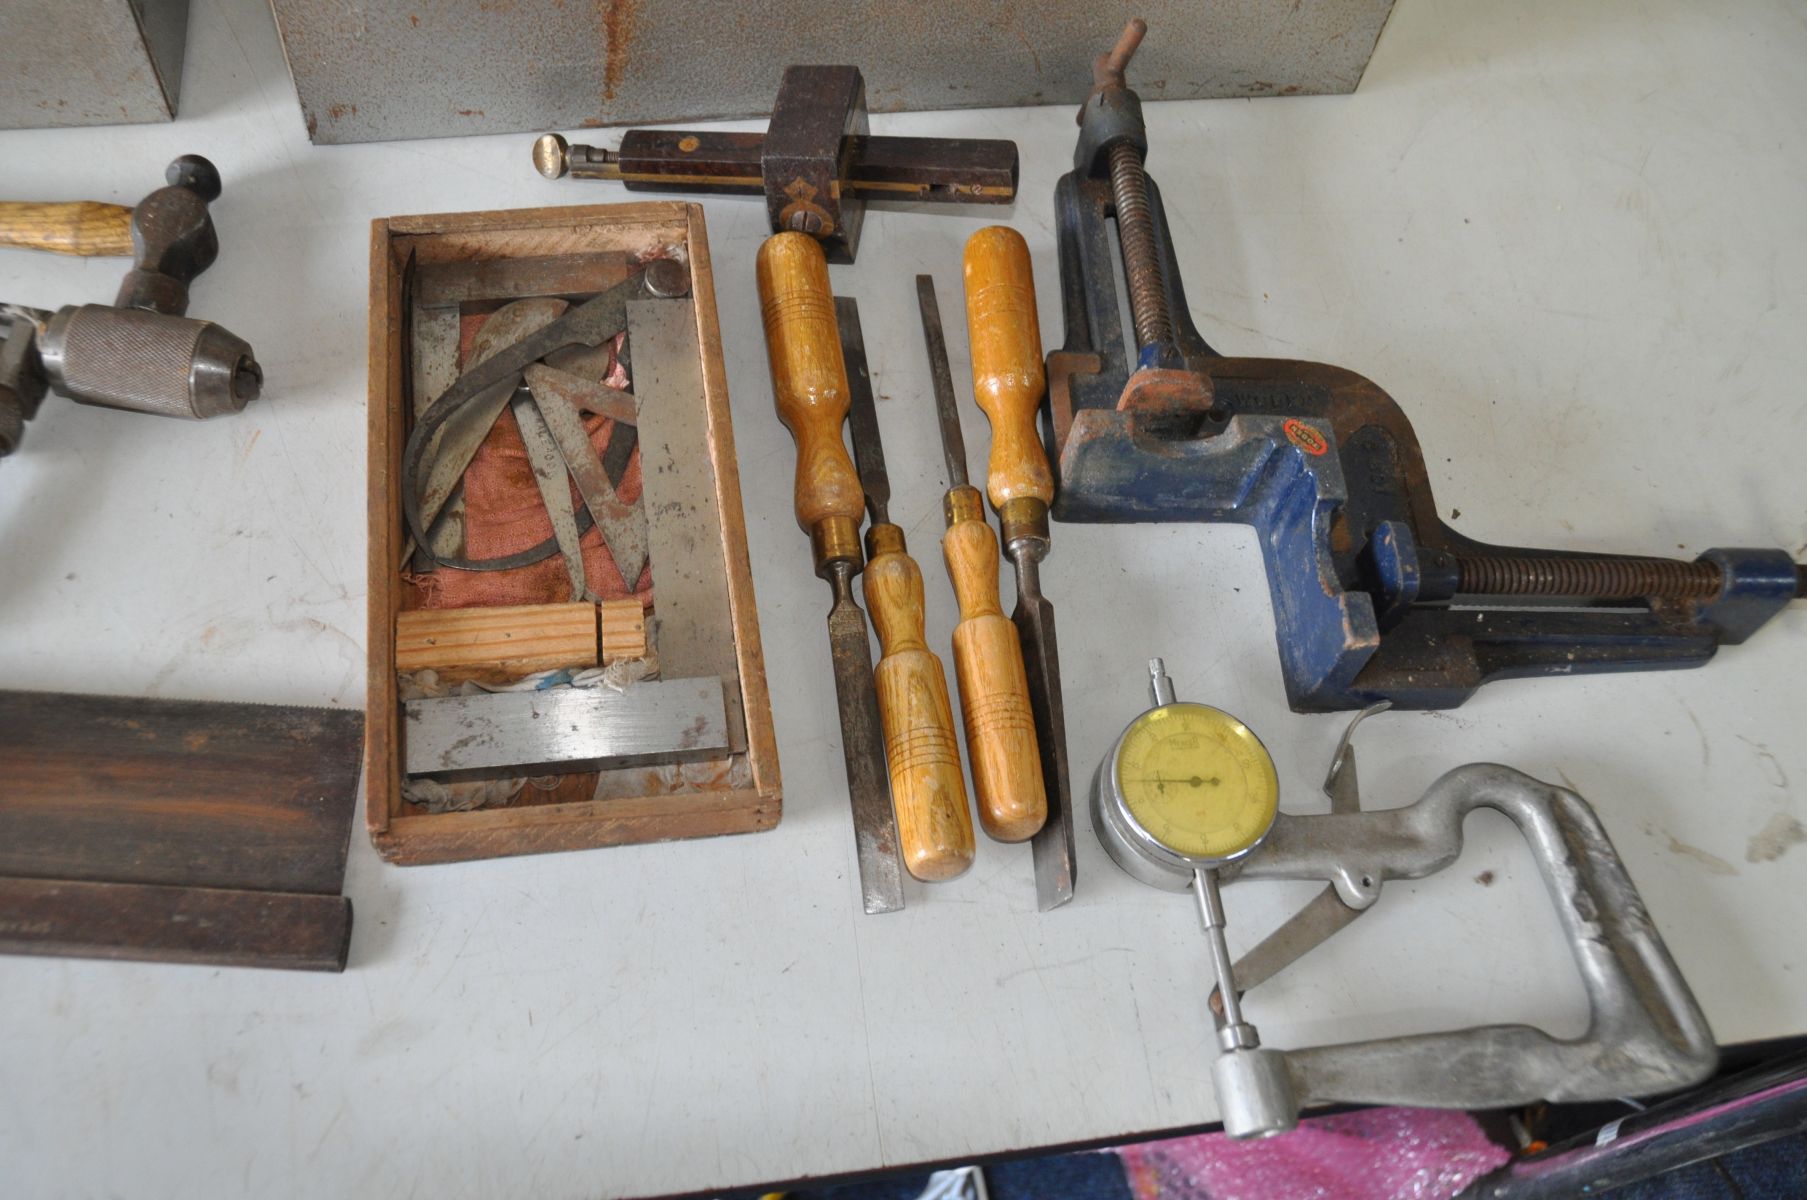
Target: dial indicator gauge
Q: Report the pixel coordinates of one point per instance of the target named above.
(1197, 781)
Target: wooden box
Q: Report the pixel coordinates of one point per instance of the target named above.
(567, 816)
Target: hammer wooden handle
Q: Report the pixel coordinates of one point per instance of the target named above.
(994, 688)
(1008, 379)
(85, 227)
(809, 378)
(928, 790)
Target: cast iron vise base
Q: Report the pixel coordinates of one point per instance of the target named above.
(1326, 468)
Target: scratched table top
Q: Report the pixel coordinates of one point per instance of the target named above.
(1565, 237)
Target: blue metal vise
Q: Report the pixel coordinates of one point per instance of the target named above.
(1375, 598)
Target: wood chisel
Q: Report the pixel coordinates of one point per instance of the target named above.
(928, 791)
(809, 384)
(988, 661)
(1008, 381)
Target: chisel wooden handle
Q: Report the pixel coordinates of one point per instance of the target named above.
(85, 227)
(994, 688)
(928, 790)
(1008, 379)
(809, 380)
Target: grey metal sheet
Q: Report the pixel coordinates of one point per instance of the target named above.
(562, 729)
(568, 275)
(435, 370)
(400, 69)
(695, 630)
(90, 62)
(549, 473)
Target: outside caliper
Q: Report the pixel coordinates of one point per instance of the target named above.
(1327, 469)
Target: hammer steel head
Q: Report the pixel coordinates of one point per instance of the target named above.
(195, 173)
(173, 238)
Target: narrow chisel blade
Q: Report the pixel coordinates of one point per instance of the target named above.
(1052, 847)
(868, 785)
(862, 413)
(953, 442)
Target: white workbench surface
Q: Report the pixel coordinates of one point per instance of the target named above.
(1566, 237)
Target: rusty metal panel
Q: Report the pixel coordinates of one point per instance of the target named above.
(372, 70)
(124, 68)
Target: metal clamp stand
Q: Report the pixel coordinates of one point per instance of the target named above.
(1645, 1032)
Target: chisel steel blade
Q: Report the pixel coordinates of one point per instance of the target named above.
(868, 785)
(1052, 847)
(947, 412)
(862, 413)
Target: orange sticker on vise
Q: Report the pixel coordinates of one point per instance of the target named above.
(1305, 437)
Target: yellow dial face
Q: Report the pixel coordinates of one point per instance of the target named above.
(1198, 781)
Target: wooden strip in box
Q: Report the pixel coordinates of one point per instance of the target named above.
(623, 630)
(518, 638)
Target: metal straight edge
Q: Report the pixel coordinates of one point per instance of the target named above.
(564, 729)
(431, 308)
(549, 473)
(589, 323)
(595, 398)
(453, 447)
(1051, 848)
(623, 525)
(576, 373)
(433, 361)
(694, 633)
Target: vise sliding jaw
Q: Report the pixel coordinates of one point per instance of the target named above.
(1365, 577)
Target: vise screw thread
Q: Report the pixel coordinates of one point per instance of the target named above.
(1597, 578)
(1135, 231)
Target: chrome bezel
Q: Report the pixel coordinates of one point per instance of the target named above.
(1127, 838)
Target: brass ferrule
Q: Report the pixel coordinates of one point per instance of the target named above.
(835, 540)
(1025, 519)
(883, 539)
(963, 504)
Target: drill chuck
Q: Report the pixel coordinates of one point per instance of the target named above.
(148, 362)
